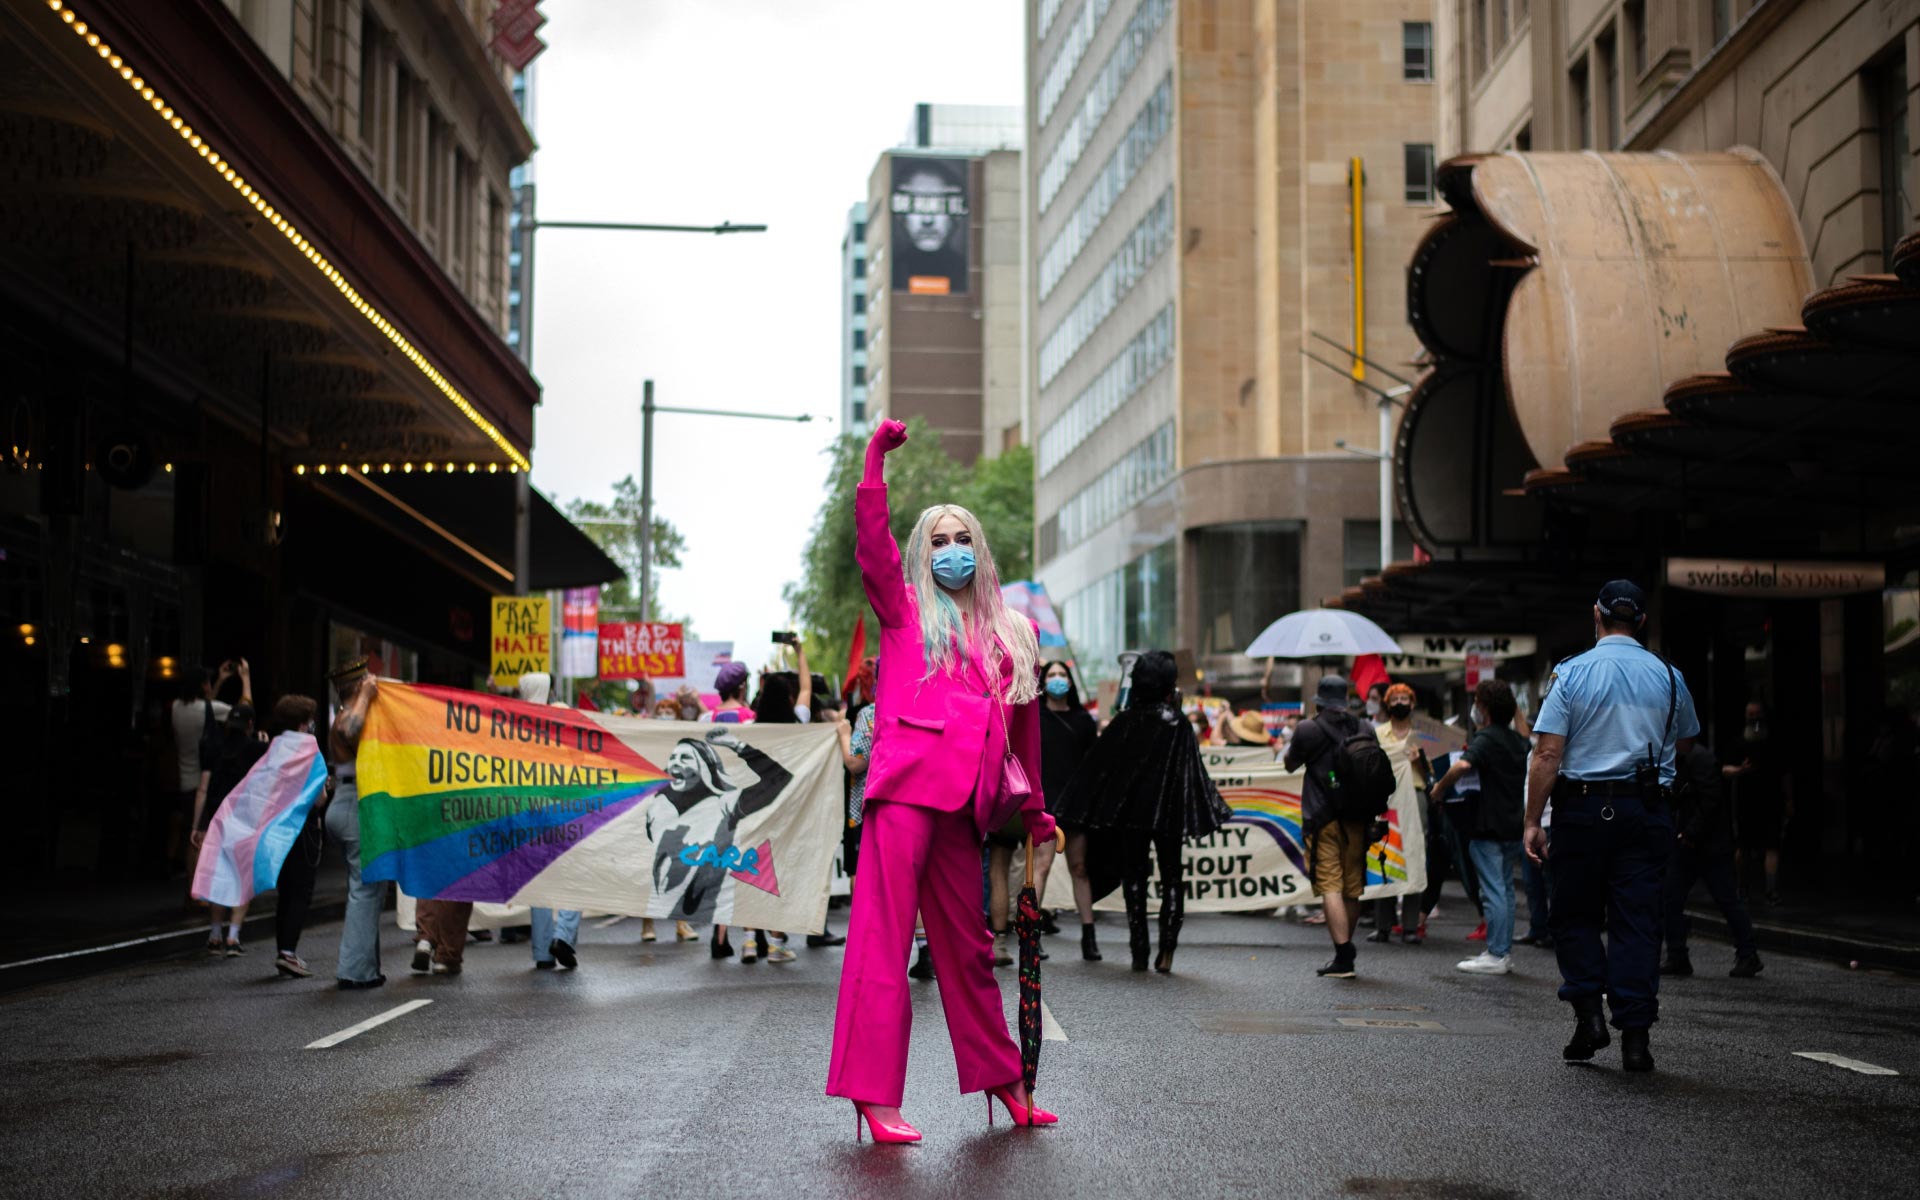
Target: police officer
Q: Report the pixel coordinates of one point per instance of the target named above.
(1608, 734)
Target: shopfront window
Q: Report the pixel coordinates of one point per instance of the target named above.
(1248, 577)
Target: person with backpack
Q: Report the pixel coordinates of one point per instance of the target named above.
(1348, 787)
(1499, 756)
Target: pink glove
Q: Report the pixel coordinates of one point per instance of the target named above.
(1040, 826)
(889, 435)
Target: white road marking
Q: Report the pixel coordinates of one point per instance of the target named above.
(1050, 1030)
(610, 922)
(158, 937)
(1841, 1060)
(398, 1010)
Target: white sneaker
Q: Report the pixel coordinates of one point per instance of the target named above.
(780, 954)
(1486, 964)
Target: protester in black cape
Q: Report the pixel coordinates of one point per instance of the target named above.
(1143, 786)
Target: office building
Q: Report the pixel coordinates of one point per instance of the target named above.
(1212, 190)
(853, 322)
(943, 289)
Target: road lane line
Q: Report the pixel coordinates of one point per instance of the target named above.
(141, 941)
(1050, 1030)
(610, 922)
(1842, 1061)
(398, 1010)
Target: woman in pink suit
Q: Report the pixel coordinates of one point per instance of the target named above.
(957, 690)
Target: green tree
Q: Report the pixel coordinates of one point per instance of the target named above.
(829, 597)
(615, 527)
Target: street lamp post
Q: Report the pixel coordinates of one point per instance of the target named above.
(1386, 398)
(647, 409)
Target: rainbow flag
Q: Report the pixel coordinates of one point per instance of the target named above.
(469, 797)
(257, 824)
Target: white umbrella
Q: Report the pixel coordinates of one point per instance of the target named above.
(1322, 633)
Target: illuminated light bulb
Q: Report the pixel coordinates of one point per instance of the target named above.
(80, 27)
(323, 468)
(26, 630)
(84, 640)
(386, 468)
(176, 122)
(493, 468)
(428, 467)
(116, 63)
(470, 468)
(93, 39)
(300, 470)
(67, 16)
(343, 468)
(449, 468)
(406, 468)
(169, 468)
(29, 641)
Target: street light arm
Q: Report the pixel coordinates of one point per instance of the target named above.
(723, 227)
(724, 412)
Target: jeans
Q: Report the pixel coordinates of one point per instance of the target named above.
(1536, 880)
(548, 925)
(1714, 866)
(1609, 857)
(1494, 862)
(360, 935)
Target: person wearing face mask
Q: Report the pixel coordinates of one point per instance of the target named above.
(958, 726)
(1067, 733)
(1401, 914)
(1377, 702)
(1763, 801)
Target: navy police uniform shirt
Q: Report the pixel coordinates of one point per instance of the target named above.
(1611, 705)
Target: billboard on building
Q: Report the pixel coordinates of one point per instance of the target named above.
(929, 206)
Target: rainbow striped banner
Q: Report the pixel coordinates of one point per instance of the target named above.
(466, 796)
(256, 825)
(1258, 859)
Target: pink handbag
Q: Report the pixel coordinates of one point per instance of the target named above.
(1013, 789)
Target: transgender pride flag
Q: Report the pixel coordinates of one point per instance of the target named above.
(258, 822)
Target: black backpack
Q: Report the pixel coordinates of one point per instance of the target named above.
(1360, 778)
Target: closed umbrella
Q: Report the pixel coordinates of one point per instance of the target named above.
(1026, 922)
(1321, 633)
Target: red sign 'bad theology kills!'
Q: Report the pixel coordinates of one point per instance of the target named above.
(642, 650)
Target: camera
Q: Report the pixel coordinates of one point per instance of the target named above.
(785, 638)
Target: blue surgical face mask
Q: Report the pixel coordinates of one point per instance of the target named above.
(1059, 685)
(953, 566)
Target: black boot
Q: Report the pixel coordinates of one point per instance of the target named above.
(1746, 966)
(1134, 891)
(721, 948)
(1173, 912)
(1342, 965)
(1089, 948)
(1678, 963)
(1635, 1054)
(1589, 1031)
(922, 968)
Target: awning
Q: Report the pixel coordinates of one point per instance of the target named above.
(466, 522)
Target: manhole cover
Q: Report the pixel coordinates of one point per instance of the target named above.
(1380, 1008)
(1387, 1023)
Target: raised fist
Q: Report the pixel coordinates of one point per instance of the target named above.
(891, 435)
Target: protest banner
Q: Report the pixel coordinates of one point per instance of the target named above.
(579, 632)
(1258, 859)
(522, 639)
(465, 796)
(641, 650)
(703, 661)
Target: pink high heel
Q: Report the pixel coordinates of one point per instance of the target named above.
(1022, 1114)
(883, 1133)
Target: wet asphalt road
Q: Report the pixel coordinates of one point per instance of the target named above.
(654, 1071)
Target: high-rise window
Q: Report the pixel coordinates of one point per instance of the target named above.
(1582, 108)
(1607, 65)
(859, 375)
(1416, 51)
(859, 339)
(859, 303)
(1419, 169)
(859, 268)
(1896, 156)
(369, 82)
(1635, 15)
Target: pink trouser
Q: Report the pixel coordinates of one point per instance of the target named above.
(915, 859)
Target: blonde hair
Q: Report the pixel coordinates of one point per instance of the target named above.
(1001, 634)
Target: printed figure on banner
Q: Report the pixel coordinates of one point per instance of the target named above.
(692, 824)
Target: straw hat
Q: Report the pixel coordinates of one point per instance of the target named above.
(1249, 728)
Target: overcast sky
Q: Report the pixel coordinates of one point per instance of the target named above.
(695, 112)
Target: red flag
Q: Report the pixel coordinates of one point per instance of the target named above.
(1368, 669)
(858, 655)
(584, 702)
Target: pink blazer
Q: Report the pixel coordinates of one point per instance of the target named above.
(937, 743)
